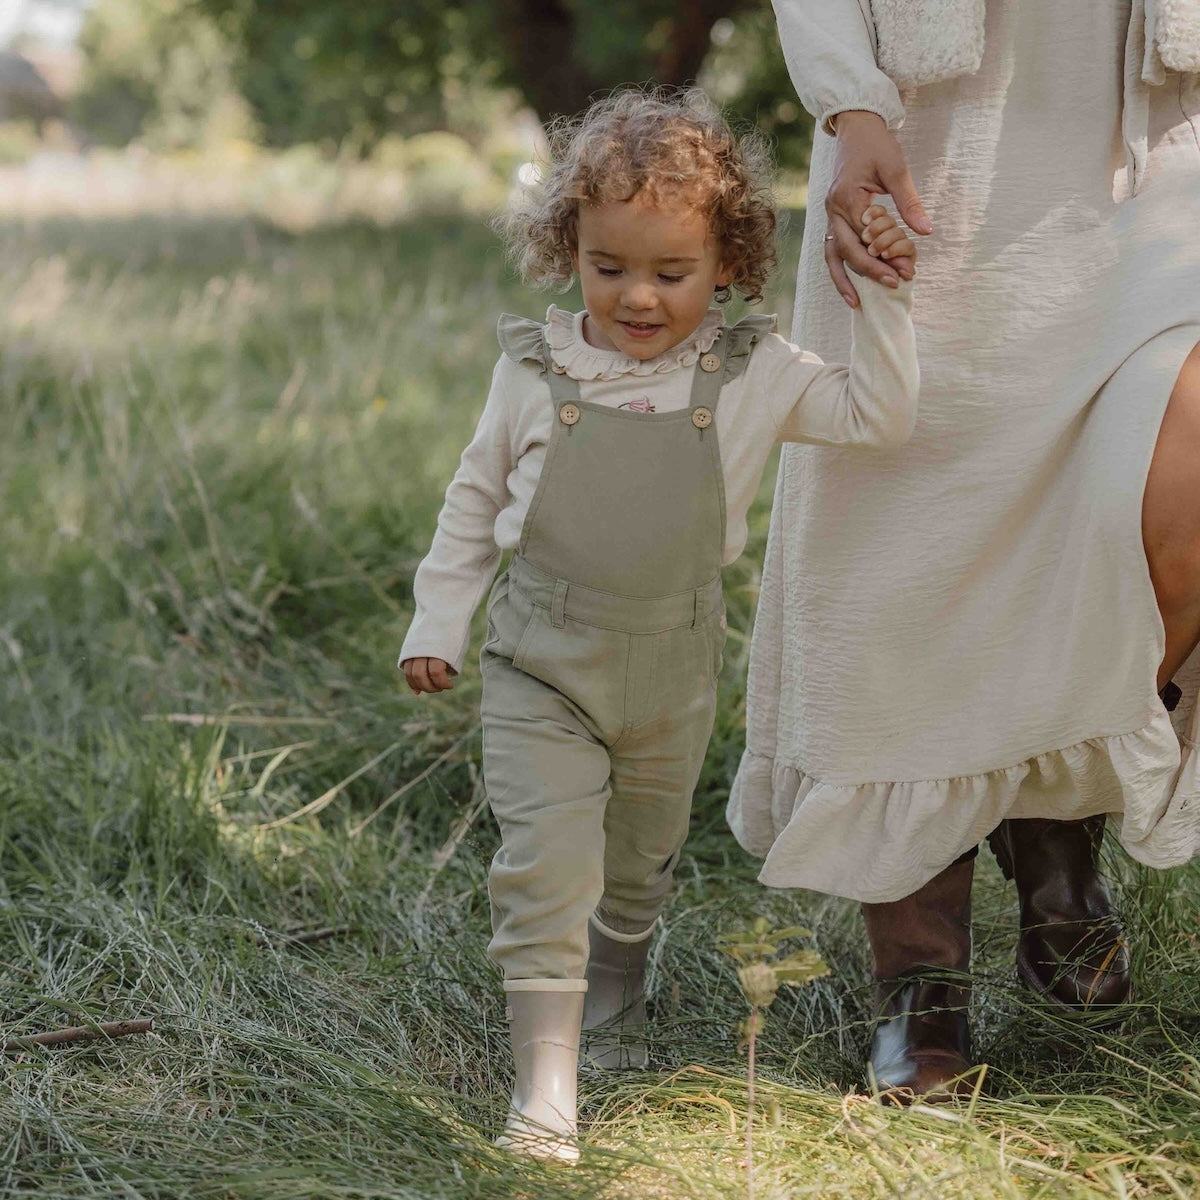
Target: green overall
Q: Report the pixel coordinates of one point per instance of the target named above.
(600, 668)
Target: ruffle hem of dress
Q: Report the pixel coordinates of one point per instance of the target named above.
(809, 820)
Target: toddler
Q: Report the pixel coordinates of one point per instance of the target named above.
(617, 455)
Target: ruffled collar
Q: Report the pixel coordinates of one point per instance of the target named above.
(564, 334)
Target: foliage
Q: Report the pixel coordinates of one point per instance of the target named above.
(323, 72)
(182, 72)
(747, 74)
(159, 70)
(313, 70)
(760, 971)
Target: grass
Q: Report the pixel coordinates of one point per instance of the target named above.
(226, 447)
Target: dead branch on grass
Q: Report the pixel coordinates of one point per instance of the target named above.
(77, 1033)
(306, 937)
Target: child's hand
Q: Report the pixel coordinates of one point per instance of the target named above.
(428, 675)
(885, 239)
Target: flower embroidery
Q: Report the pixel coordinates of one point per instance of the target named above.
(641, 404)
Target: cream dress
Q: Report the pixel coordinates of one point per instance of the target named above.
(964, 629)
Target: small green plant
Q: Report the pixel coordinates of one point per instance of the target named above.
(761, 974)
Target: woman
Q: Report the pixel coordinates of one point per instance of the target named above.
(1009, 593)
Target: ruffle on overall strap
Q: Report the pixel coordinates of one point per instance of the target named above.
(522, 340)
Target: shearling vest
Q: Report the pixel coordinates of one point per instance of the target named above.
(925, 41)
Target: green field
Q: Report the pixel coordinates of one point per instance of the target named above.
(224, 451)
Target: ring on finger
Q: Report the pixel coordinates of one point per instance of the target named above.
(829, 237)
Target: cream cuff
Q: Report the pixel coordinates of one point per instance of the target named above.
(545, 985)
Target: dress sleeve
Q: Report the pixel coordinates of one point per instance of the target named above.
(455, 574)
(871, 402)
(829, 48)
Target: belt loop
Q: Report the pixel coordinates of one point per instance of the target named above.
(697, 608)
(558, 607)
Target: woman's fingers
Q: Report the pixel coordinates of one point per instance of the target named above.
(898, 181)
(833, 260)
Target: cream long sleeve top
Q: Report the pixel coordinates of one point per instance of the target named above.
(784, 394)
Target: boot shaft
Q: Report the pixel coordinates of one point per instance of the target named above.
(927, 930)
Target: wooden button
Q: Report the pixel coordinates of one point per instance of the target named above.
(710, 362)
(702, 417)
(558, 368)
(568, 414)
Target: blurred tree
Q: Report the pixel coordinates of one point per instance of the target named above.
(747, 75)
(315, 69)
(345, 75)
(324, 71)
(156, 69)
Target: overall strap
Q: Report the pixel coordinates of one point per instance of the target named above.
(563, 389)
(707, 379)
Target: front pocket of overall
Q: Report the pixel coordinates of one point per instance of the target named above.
(586, 663)
(498, 595)
(510, 613)
(521, 652)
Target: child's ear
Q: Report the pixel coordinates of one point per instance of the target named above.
(725, 275)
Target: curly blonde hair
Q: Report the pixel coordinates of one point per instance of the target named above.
(658, 143)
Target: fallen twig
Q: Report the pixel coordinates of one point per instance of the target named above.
(306, 938)
(77, 1033)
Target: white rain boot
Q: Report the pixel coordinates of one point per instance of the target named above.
(544, 1025)
(614, 1013)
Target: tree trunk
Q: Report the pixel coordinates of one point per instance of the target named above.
(539, 42)
(680, 59)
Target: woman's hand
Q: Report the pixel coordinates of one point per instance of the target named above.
(868, 162)
(428, 674)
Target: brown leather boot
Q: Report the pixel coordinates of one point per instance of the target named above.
(921, 951)
(1072, 950)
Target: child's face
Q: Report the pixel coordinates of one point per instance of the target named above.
(648, 272)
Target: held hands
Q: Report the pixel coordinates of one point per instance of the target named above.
(428, 675)
(868, 162)
(884, 239)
